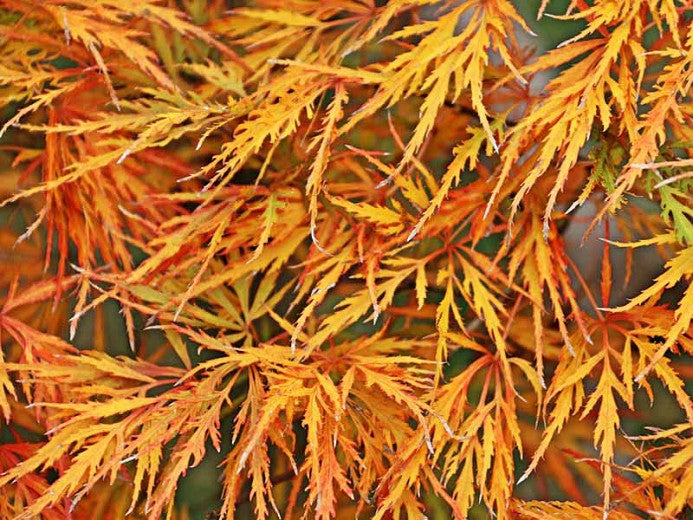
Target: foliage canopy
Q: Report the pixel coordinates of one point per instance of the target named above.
(336, 231)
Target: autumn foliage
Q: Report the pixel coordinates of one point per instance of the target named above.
(334, 235)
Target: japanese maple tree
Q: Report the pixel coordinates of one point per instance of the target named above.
(334, 235)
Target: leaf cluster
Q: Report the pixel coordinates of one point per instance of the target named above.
(336, 235)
